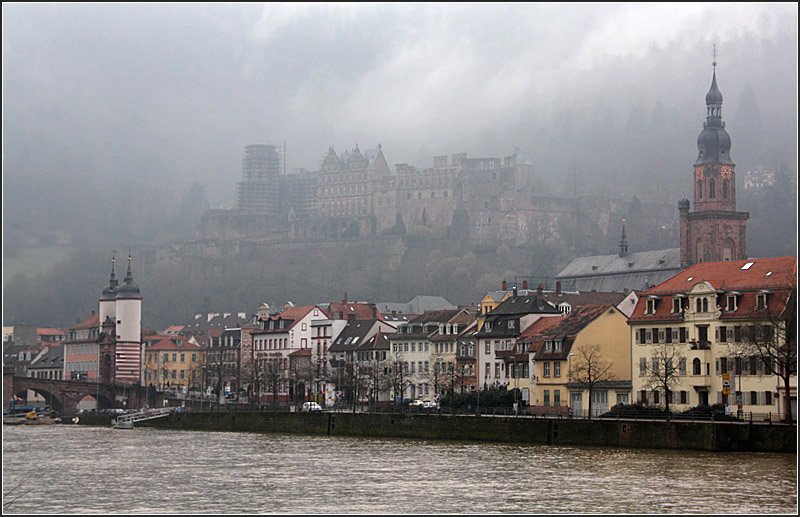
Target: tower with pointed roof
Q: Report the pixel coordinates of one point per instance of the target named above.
(714, 231)
(128, 352)
(108, 299)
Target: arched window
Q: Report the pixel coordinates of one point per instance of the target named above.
(699, 189)
(724, 189)
(696, 366)
(705, 304)
(699, 306)
(711, 193)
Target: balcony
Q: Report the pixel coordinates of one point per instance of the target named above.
(697, 381)
(699, 345)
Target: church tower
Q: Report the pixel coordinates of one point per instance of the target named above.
(715, 231)
(128, 360)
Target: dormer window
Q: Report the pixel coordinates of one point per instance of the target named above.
(557, 345)
(677, 305)
(730, 305)
(511, 324)
(761, 301)
(488, 326)
(548, 346)
(651, 307)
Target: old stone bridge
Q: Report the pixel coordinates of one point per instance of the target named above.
(63, 396)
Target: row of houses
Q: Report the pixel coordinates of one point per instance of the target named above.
(688, 341)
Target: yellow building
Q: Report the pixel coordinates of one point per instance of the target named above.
(174, 362)
(591, 343)
(704, 319)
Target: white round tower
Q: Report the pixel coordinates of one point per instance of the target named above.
(128, 360)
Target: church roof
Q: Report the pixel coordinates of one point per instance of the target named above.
(610, 273)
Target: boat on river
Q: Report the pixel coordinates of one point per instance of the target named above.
(122, 424)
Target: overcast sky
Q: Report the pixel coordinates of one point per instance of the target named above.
(174, 92)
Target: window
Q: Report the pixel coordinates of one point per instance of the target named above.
(556, 398)
(546, 397)
(174, 356)
(655, 396)
(711, 190)
(497, 370)
(705, 304)
(651, 307)
(731, 303)
(304, 327)
(753, 398)
(761, 302)
(723, 364)
(698, 305)
(183, 376)
(724, 189)
(768, 398)
(676, 305)
(682, 366)
(548, 346)
(557, 345)
(546, 369)
(699, 189)
(684, 397)
(655, 366)
(643, 366)
(183, 357)
(696, 366)
(722, 334)
(557, 369)
(642, 336)
(511, 324)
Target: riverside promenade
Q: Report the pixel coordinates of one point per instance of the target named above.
(648, 434)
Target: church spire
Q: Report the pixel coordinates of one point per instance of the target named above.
(623, 243)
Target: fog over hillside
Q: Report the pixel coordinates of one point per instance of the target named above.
(123, 123)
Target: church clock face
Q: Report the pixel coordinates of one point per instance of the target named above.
(726, 171)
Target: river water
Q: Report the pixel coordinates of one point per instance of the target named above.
(76, 469)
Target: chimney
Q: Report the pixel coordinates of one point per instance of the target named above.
(525, 285)
(345, 297)
(558, 288)
(503, 286)
(539, 289)
(374, 311)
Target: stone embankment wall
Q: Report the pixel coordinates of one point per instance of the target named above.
(707, 436)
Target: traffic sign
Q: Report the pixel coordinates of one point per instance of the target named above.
(726, 391)
(726, 384)
(726, 376)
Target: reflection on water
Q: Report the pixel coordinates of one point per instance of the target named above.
(70, 469)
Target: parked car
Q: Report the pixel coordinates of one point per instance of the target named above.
(427, 404)
(311, 407)
(416, 403)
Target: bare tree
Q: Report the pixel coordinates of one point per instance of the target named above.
(774, 341)
(664, 369)
(591, 368)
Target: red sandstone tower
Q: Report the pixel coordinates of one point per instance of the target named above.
(715, 230)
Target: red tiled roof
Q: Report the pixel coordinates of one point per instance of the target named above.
(540, 326)
(303, 352)
(50, 332)
(729, 275)
(169, 343)
(92, 321)
(360, 310)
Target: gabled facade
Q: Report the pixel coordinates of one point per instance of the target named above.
(707, 313)
(500, 331)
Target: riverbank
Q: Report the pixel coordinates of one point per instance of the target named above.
(706, 436)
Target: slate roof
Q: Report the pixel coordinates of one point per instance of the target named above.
(352, 335)
(418, 305)
(379, 341)
(612, 273)
(53, 358)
